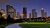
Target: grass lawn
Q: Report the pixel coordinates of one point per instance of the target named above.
(35, 25)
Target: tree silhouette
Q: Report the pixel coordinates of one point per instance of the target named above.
(0, 15)
(1, 18)
(9, 19)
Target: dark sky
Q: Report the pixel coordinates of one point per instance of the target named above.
(30, 4)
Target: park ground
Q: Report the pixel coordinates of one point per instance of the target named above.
(32, 25)
(35, 25)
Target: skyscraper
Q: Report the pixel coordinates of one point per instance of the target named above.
(45, 14)
(34, 13)
(42, 13)
(24, 12)
(18, 15)
(11, 11)
(29, 15)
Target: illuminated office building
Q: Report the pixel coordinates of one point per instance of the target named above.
(29, 15)
(42, 13)
(11, 11)
(45, 14)
(24, 12)
(34, 13)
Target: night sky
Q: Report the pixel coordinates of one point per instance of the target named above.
(30, 4)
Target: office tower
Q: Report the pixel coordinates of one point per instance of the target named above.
(18, 15)
(24, 12)
(45, 14)
(34, 13)
(29, 15)
(42, 13)
(11, 11)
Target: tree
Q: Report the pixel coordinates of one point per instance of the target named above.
(9, 19)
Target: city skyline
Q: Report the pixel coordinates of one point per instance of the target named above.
(12, 12)
(30, 4)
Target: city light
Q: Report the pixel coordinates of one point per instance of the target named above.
(15, 18)
(25, 12)
(42, 8)
(3, 14)
(22, 15)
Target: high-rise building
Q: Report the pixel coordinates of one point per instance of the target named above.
(34, 13)
(11, 11)
(42, 13)
(45, 14)
(24, 12)
(29, 15)
(18, 15)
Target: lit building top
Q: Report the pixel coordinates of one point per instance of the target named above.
(42, 8)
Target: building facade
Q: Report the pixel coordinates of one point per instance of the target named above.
(18, 15)
(29, 15)
(45, 14)
(11, 11)
(24, 12)
(42, 13)
(34, 13)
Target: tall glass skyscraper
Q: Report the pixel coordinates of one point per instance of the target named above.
(24, 12)
(42, 13)
(34, 13)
